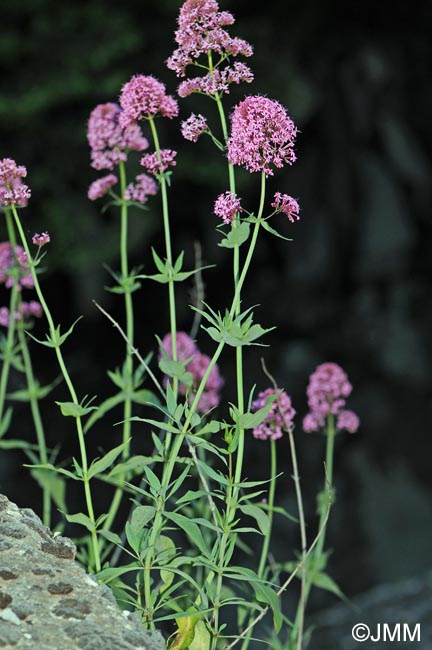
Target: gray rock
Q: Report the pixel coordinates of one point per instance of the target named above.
(48, 602)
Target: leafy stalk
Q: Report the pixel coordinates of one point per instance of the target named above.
(56, 345)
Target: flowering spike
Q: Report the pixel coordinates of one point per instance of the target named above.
(101, 186)
(12, 190)
(328, 387)
(286, 204)
(143, 97)
(262, 135)
(279, 418)
(226, 207)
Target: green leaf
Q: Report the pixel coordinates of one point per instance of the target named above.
(99, 466)
(135, 464)
(252, 420)
(54, 484)
(102, 409)
(190, 528)
(274, 232)
(58, 470)
(5, 421)
(38, 392)
(165, 551)
(111, 537)
(69, 409)
(145, 397)
(324, 581)
(14, 443)
(160, 265)
(259, 515)
(202, 637)
(236, 236)
(186, 630)
(152, 480)
(82, 519)
(141, 515)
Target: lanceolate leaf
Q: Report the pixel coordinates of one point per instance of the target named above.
(99, 466)
(190, 528)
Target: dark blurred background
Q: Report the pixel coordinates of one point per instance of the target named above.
(353, 287)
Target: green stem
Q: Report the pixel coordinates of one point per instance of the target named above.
(127, 406)
(319, 549)
(10, 338)
(37, 420)
(70, 386)
(266, 543)
(271, 499)
(168, 250)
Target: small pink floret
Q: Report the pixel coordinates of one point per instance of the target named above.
(155, 165)
(143, 187)
(193, 127)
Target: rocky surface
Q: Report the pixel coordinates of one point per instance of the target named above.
(48, 602)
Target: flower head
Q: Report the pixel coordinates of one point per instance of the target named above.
(101, 186)
(109, 140)
(4, 317)
(226, 207)
(185, 346)
(200, 31)
(197, 365)
(155, 164)
(12, 190)
(286, 204)
(41, 240)
(143, 187)
(193, 127)
(328, 387)
(13, 269)
(278, 419)
(262, 135)
(29, 309)
(143, 97)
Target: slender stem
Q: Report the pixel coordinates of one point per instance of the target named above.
(168, 250)
(10, 338)
(37, 420)
(127, 407)
(271, 499)
(324, 505)
(302, 602)
(66, 376)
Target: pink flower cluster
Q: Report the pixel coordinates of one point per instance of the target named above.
(109, 140)
(143, 97)
(12, 190)
(226, 207)
(101, 186)
(286, 204)
(279, 418)
(262, 135)
(328, 387)
(155, 164)
(143, 187)
(13, 267)
(26, 311)
(41, 240)
(200, 31)
(193, 127)
(197, 364)
(217, 81)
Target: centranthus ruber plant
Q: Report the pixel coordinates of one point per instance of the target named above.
(174, 542)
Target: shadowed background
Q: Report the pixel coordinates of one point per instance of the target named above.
(353, 287)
